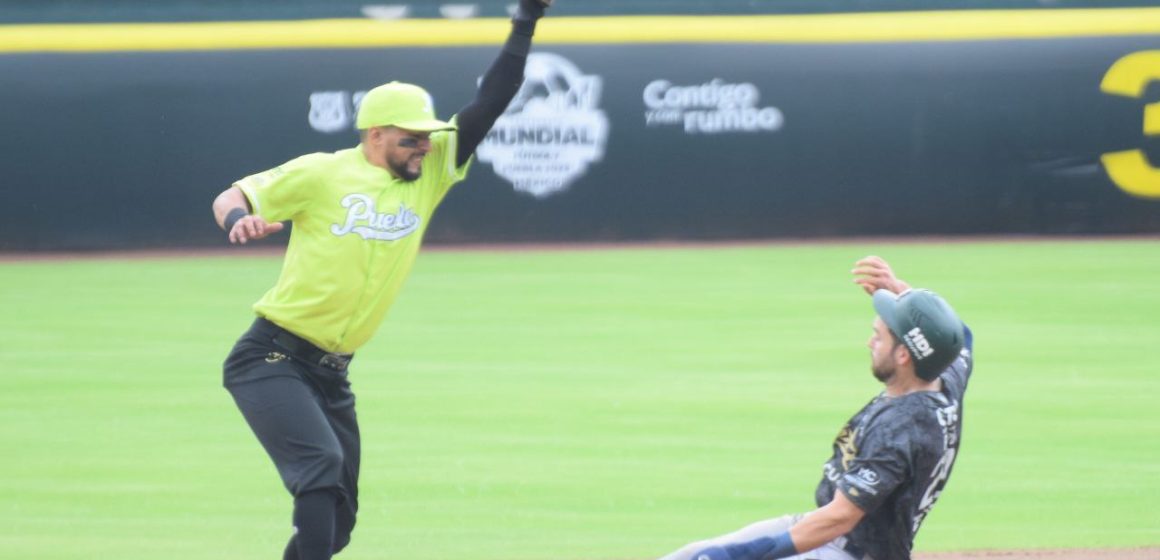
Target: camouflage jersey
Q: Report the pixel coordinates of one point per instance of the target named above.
(893, 459)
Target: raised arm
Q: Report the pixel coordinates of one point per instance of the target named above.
(501, 82)
(874, 273)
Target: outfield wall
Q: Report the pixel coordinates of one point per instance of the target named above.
(628, 128)
(82, 11)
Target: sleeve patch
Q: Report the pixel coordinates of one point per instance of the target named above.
(863, 479)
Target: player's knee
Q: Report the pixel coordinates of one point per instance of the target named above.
(323, 469)
(330, 461)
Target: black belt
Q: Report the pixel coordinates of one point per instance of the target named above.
(301, 348)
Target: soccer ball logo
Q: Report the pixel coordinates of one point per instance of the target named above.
(552, 83)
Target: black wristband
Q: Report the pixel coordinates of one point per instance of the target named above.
(529, 10)
(233, 217)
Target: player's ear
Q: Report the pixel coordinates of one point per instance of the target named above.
(374, 135)
(901, 355)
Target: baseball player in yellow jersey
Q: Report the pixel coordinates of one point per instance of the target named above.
(359, 217)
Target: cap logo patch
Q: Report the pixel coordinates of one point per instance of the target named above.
(918, 343)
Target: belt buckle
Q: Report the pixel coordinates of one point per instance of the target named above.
(337, 362)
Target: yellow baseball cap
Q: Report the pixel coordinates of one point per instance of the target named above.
(406, 106)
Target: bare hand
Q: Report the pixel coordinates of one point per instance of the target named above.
(253, 227)
(874, 273)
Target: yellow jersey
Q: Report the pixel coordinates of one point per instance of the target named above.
(356, 232)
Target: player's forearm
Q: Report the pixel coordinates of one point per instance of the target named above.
(228, 200)
(825, 524)
(499, 86)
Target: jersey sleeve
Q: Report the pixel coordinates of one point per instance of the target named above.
(280, 193)
(448, 146)
(881, 465)
(959, 372)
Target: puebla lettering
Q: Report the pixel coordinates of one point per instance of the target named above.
(363, 220)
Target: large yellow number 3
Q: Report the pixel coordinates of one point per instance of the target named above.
(1130, 169)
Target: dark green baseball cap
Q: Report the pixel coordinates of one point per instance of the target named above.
(926, 324)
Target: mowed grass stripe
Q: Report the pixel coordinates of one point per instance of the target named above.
(586, 405)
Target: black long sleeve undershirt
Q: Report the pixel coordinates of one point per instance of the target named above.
(499, 86)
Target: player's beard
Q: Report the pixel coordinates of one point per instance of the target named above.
(883, 373)
(402, 172)
(401, 169)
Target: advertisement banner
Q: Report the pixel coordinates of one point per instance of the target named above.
(609, 142)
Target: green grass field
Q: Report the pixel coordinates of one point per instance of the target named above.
(597, 405)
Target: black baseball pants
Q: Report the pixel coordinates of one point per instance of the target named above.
(304, 416)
